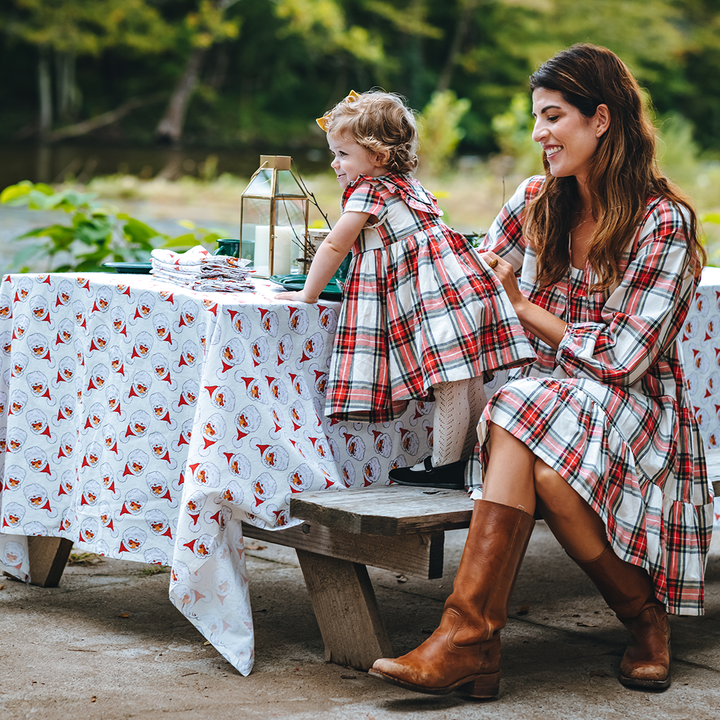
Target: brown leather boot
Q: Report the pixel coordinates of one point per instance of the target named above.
(629, 591)
(464, 652)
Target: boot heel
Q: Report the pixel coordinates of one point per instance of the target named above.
(485, 686)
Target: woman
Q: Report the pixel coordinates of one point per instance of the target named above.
(597, 436)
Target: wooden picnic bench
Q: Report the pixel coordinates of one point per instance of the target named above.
(401, 529)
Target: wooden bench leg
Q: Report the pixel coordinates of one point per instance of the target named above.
(346, 610)
(48, 557)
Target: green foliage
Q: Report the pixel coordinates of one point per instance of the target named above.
(95, 234)
(513, 134)
(440, 131)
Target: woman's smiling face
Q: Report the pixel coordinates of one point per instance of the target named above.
(568, 138)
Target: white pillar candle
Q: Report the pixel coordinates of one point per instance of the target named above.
(283, 254)
(262, 250)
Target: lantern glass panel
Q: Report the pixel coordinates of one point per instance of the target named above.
(256, 226)
(261, 183)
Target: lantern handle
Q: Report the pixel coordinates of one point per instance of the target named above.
(313, 199)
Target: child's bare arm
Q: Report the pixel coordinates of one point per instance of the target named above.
(332, 251)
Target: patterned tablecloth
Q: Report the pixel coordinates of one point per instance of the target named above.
(144, 421)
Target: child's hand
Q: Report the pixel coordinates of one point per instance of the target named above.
(299, 296)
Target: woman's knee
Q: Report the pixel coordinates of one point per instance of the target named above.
(550, 486)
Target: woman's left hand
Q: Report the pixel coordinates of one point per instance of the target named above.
(506, 275)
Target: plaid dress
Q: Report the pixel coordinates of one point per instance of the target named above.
(419, 307)
(608, 411)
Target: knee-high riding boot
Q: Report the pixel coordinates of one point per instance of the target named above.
(629, 591)
(464, 652)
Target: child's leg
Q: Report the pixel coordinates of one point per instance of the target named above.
(477, 400)
(451, 421)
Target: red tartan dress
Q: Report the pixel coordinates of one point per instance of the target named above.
(419, 307)
(608, 411)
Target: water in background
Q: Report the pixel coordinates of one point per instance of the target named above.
(82, 161)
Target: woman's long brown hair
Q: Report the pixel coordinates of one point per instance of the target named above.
(623, 172)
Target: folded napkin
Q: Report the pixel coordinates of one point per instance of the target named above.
(200, 270)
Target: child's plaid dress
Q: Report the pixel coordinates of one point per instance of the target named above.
(608, 411)
(419, 306)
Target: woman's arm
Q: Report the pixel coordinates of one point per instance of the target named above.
(332, 251)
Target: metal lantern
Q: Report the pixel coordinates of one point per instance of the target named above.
(274, 218)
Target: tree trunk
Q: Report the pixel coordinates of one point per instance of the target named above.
(68, 93)
(456, 46)
(170, 128)
(45, 92)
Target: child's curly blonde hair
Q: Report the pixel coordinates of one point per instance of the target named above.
(381, 123)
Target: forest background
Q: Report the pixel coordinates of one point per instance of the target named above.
(206, 80)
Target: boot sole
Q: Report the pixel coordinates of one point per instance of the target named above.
(480, 687)
(647, 685)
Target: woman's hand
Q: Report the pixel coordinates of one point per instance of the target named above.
(506, 275)
(541, 323)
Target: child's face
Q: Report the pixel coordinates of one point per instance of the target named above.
(352, 160)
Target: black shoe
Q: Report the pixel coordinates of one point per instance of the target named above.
(451, 477)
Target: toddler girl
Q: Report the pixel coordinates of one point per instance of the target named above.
(422, 317)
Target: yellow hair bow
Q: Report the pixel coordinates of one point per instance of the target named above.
(324, 121)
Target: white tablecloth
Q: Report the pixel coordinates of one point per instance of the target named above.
(144, 421)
